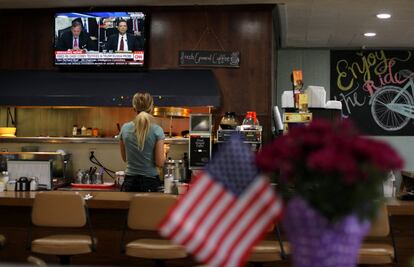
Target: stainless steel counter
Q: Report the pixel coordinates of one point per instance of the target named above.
(79, 140)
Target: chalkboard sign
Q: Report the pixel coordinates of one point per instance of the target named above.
(209, 59)
(376, 89)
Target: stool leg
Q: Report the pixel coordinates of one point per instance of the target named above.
(64, 259)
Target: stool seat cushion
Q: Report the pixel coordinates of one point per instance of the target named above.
(63, 244)
(267, 251)
(372, 253)
(155, 249)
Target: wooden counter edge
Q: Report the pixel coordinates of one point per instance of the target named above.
(120, 200)
(99, 200)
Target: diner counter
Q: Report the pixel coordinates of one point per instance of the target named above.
(81, 140)
(120, 200)
(99, 200)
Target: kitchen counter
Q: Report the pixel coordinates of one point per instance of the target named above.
(79, 140)
(99, 200)
(120, 200)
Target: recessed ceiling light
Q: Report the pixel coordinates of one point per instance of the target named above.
(383, 16)
(370, 34)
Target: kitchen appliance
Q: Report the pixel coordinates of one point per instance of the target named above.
(61, 161)
(200, 147)
(19, 169)
(229, 121)
(60, 164)
(171, 112)
(250, 130)
(252, 136)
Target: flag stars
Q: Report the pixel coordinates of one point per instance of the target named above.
(233, 166)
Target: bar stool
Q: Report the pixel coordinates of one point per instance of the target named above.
(269, 250)
(59, 209)
(376, 252)
(146, 211)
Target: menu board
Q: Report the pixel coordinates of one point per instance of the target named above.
(376, 89)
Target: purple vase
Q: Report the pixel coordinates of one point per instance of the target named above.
(315, 242)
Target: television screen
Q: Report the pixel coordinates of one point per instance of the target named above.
(100, 38)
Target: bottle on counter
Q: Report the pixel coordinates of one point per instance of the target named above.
(120, 176)
(4, 177)
(95, 132)
(79, 177)
(75, 130)
(168, 183)
(186, 167)
(89, 131)
(83, 130)
(174, 187)
(34, 182)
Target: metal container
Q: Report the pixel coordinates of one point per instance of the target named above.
(176, 169)
(22, 184)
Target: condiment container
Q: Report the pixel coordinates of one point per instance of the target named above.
(75, 130)
(83, 130)
(168, 183)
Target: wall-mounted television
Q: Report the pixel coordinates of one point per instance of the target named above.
(100, 38)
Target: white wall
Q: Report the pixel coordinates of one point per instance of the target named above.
(315, 64)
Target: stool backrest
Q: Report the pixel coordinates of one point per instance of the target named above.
(59, 209)
(146, 210)
(380, 226)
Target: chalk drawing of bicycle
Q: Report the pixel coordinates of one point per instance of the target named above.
(392, 107)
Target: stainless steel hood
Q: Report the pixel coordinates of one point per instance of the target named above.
(53, 88)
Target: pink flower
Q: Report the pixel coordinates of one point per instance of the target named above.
(314, 160)
(326, 148)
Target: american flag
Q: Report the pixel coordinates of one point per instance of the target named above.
(227, 210)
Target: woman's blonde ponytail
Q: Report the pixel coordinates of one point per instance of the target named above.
(143, 105)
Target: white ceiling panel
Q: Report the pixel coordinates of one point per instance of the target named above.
(305, 23)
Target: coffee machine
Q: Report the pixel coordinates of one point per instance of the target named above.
(250, 130)
(199, 153)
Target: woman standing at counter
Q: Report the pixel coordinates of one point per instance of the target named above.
(142, 147)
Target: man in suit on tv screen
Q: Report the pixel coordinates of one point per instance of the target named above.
(75, 39)
(123, 41)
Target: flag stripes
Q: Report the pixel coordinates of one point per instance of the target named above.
(218, 227)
